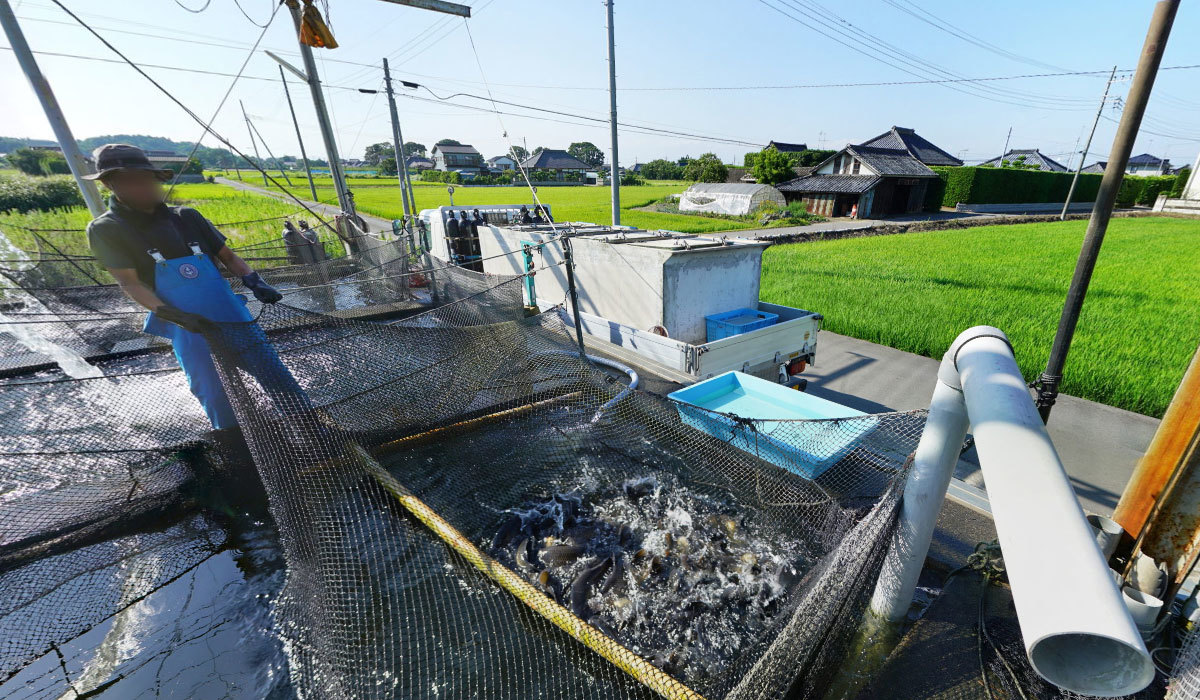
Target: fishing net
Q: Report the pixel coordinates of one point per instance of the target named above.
(463, 506)
(1185, 676)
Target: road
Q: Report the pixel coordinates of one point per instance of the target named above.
(1099, 444)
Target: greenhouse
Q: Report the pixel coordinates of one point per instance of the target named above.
(736, 198)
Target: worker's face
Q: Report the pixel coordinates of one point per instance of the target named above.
(139, 189)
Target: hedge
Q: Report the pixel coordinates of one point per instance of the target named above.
(973, 185)
(23, 193)
(1143, 190)
(447, 176)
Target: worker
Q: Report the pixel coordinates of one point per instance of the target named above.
(525, 218)
(163, 258)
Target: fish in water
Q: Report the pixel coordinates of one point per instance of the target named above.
(547, 585)
(527, 554)
(616, 573)
(510, 529)
(581, 588)
(561, 554)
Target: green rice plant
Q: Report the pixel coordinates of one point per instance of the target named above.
(1139, 327)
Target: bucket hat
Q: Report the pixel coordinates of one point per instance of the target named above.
(116, 157)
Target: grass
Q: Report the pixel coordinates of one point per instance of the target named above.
(1139, 327)
(220, 204)
(582, 203)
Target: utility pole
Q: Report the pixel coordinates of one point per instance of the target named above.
(1005, 151)
(312, 186)
(398, 147)
(615, 172)
(1087, 146)
(1114, 171)
(58, 123)
(310, 76)
(271, 155)
(250, 130)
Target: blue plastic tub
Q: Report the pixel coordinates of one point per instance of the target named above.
(804, 448)
(737, 322)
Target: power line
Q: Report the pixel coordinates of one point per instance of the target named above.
(941, 24)
(197, 11)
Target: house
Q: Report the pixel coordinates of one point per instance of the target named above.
(167, 159)
(1146, 164)
(563, 164)
(904, 138)
(1028, 157)
(350, 162)
(884, 176)
(419, 163)
(463, 158)
(501, 163)
(787, 147)
(1097, 167)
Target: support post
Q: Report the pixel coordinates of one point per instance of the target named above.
(271, 155)
(1106, 197)
(345, 201)
(573, 294)
(312, 186)
(58, 123)
(397, 144)
(1160, 506)
(614, 174)
(1087, 146)
(254, 143)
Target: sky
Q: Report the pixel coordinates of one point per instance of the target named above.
(730, 75)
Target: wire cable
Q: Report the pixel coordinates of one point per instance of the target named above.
(195, 12)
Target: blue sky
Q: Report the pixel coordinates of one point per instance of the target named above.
(553, 55)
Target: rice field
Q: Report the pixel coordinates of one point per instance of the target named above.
(571, 203)
(222, 205)
(1139, 327)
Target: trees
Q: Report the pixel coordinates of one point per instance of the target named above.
(707, 168)
(519, 154)
(38, 162)
(538, 150)
(587, 152)
(376, 152)
(662, 169)
(412, 148)
(772, 167)
(387, 166)
(448, 142)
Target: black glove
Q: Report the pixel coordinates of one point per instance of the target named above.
(262, 291)
(194, 323)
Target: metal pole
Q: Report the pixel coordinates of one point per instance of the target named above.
(312, 186)
(254, 143)
(1106, 197)
(345, 201)
(397, 141)
(1005, 151)
(570, 265)
(1087, 146)
(58, 123)
(278, 163)
(615, 172)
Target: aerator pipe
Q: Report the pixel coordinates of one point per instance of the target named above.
(604, 362)
(1078, 634)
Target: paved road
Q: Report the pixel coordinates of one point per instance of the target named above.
(373, 222)
(1099, 444)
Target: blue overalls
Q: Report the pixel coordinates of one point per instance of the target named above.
(193, 284)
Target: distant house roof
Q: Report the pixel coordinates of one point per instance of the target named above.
(802, 170)
(495, 159)
(413, 161)
(821, 184)
(464, 148)
(1032, 156)
(904, 138)
(1097, 167)
(892, 162)
(552, 159)
(1147, 159)
(788, 147)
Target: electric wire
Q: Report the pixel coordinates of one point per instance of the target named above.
(195, 12)
(274, 9)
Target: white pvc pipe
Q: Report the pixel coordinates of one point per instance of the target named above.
(1078, 634)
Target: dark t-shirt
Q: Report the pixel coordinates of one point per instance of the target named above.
(121, 237)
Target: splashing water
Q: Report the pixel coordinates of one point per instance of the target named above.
(71, 362)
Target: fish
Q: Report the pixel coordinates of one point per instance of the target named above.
(561, 554)
(549, 586)
(636, 489)
(510, 529)
(616, 573)
(581, 587)
(527, 554)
